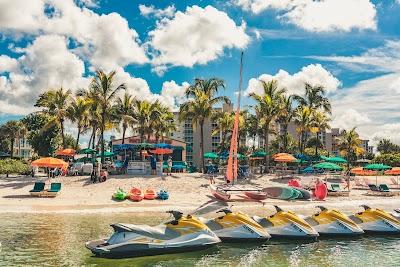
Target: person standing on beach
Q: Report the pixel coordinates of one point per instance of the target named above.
(169, 172)
(153, 164)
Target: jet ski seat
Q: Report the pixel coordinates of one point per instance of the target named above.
(157, 232)
(211, 224)
(263, 222)
(311, 221)
(355, 219)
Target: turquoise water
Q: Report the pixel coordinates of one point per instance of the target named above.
(58, 240)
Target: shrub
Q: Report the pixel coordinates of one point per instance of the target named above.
(13, 166)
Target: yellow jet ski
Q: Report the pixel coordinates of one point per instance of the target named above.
(333, 222)
(183, 233)
(376, 221)
(286, 224)
(236, 226)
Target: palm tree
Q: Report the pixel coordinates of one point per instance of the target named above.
(78, 112)
(124, 112)
(11, 130)
(200, 105)
(314, 98)
(303, 118)
(285, 117)
(145, 114)
(252, 127)
(164, 124)
(320, 122)
(224, 127)
(55, 103)
(269, 104)
(105, 94)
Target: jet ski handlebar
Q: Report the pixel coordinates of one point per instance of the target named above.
(177, 214)
(226, 211)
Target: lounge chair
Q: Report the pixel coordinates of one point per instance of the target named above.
(334, 189)
(38, 189)
(384, 188)
(394, 181)
(53, 191)
(379, 191)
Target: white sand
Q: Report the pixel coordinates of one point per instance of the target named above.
(187, 192)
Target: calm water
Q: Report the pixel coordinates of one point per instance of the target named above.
(58, 240)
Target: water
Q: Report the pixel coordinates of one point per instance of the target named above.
(58, 240)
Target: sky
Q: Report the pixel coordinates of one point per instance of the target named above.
(351, 47)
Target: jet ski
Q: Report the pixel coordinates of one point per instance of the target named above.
(333, 222)
(376, 221)
(183, 233)
(236, 226)
(286, 224)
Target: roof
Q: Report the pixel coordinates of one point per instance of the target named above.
(151, 138)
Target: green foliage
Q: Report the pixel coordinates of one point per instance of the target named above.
(43, 137)
(70, 141)
(310, 151)
(391, 159)
(13, 166)
(385, 146)
(5, 144)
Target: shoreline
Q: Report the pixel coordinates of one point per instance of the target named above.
(187, 192)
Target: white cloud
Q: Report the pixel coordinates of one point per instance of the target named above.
(384, 58)
(195, 36)
(147, 11)
(387, 131)
(314, 74)
(105, 40)
(173, 95)
(8, 64)
(319, 16)
(349, 118)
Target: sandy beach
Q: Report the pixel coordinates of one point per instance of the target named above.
(187, 192)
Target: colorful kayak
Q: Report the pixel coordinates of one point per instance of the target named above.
(279, 192)
(163, 195)
(150, 194)
(305, 194)
(296, 194)
(120, 194)
(136, 194)
(256, 195)
(321, 191)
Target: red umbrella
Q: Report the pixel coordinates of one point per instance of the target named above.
(161, 151)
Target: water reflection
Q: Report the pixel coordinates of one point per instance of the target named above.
(58, 240)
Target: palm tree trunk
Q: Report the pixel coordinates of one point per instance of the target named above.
(202, 145)
(62, 132)
(12, 147)
(94, 137)
(316, 150)
(285, 137)
(266, 147)
(103, 122)
(77, 138)
(123, 134)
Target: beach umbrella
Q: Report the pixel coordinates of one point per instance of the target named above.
(164, 145)
(86, 151)
(336, 160)
(361, 172)
(377, 167)
(394, 171)
(66, 152)
(161, 151)
(284, 157)
(210, 155)
(49, 163)
(280, 155)
(107, 154)
(322, 157)
(258, 154)
(328, 166)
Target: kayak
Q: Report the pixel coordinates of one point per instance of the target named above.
(279, 192)
(150, 194)
(136, 194)
(305, 194)
(321, 191)
(256, 195)
(296, 194)
(163, 195)
(120, 194)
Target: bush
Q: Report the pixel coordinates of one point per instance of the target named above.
(13, 166)
(391, 159)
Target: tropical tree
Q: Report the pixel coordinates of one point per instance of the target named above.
(284, 118)
(55, 103)
(252, 127)
(105, 93)
(164, 124)
(200, 105)
(385, 146)
(124, 111)
(224, 127)
(320, 122)
(303, 118)
(145, 114)
(11, 130)
(314, 98)
(269, 104)
(349, 143)
(78, 112)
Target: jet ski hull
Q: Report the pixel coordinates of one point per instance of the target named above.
(140, 250)
(335, 229)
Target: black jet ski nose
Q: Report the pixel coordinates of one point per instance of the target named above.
(177, 214)
(365, 207)
(226, 211)
(322, 208)
(277, 208)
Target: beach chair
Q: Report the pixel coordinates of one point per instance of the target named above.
(53, 190)
(384, 188)
(377, 191)
(394, 181)
(334, 189)
(38, 189)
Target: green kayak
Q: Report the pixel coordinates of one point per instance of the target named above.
(296, 194)
(120, 194)
(279, 192)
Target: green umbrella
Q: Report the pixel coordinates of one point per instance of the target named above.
(377, 167)
(86, 151)
(324, 158)
(210, 155)
(239, 156)
(328, 166)
(336, 160)
(106, 154)
(258, 154)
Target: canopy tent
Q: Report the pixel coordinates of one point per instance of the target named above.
(49, 163)
(107, 154)
(69, 152)
(163, 145)
(210, 155)
(328, 166)
(336, 160)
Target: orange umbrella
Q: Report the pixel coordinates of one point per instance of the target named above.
(361, 172)
(161, 151)
(280, 155)
(50, 163)
(285, 158)
(393, 171)
(66, 152)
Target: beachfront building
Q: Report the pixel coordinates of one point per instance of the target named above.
(190, 135)
(179, 147)
(22, 148)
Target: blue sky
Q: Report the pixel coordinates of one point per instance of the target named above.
(352, 47)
